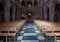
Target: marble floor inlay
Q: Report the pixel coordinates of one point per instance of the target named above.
(30, 33)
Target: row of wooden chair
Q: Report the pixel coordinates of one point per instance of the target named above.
(11, 28)
(50, 28)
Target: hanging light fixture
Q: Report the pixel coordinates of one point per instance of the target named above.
(29, 5)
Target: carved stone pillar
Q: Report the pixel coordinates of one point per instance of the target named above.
(33, 3)
(25, 3)
(13, 12)
(18, 13)
(7, 14)
(51, 13)
(7, 10)
(38, 2)
(41, 14)
(45, 13)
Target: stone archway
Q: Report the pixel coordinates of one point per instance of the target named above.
(57, 13)
(1, 13)
(34, 15)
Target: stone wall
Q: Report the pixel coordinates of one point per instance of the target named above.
(11, 5)
(51, 4)
(47, 10)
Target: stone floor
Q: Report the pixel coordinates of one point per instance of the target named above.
(30, 33)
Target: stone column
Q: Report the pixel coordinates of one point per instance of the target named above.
(0, 18)
(33, 3)
(25, 3)
(7, 10)
(18, 13)
(45, 13)
(41, 13)
(38, 2)
(13, 12)
(7, 14)
(51, 13)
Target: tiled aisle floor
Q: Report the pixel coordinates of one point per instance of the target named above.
(30, 33)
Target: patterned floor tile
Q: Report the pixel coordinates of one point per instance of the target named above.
(11, 41)
(19, 37)
(50, 41)
(30, 41)
(24, 28)
(35, 28)
(29, 34)
(58, 40)
(18, 41)
(41, 38)
(37, 31)
(38, 34)
(29, 31)
(30, 38)
(22, 32)
(42, 41)
(29, 27)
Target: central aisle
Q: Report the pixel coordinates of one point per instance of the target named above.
(30, 33)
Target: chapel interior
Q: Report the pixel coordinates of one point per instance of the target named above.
(29, 20)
